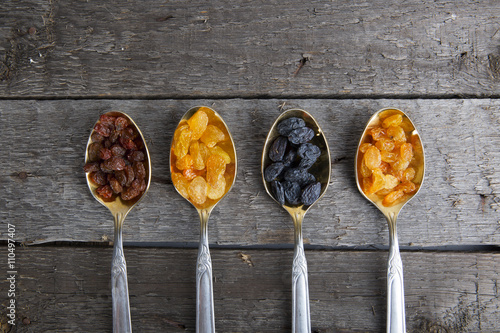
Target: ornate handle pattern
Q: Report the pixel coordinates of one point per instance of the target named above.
(396, 322)
(119, 284)
(301, 322)
(205, 319)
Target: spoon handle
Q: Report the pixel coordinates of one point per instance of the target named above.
(395, 286)
(205, 319)
(301, 321)
(119, 285)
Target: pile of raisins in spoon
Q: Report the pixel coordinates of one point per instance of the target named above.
(292, 156)
(116, 159)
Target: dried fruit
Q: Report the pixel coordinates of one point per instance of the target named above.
(278, 149)
(197, 190)
(212, 136)
(198, 124)
(288, 125)
(181, 184)
(112, 139)
(215, 193)
(389, 153)
(184, 163)
(219, 151)
(216, 166)
(299, 176)
(182, 139)
(311, 193)
(197, 156)
(300, 135)
(273, 171)
(292, 192)
(278, 192)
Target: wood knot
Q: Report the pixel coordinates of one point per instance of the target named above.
(22, 175)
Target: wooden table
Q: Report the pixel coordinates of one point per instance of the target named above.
(63, 63)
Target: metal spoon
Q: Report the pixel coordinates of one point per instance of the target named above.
(395, 290)
(301, 321)
(120, 208)
(205, 319)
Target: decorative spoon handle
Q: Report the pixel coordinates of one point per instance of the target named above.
(205, 319)
(395, 286)
(301, 321)
(119, 285)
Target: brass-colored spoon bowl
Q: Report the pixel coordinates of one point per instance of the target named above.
(119, 209)
(205, 319)
(395, 291)
(322, 171)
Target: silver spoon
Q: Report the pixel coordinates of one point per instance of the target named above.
(301, 321)
(120, 208)
(205, 319)
(395, 289)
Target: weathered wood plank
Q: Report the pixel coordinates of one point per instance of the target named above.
(67, 289)
(237, 48)
(45, 195)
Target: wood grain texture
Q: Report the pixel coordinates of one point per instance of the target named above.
(236, 49)
(45, 195)
(67, 289)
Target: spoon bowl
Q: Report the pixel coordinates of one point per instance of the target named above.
(205, 319)
(321, 169)
(395, 291)
(119, 209)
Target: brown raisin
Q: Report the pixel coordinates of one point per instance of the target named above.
(105, 192)
(102, 129)
(91, 167)
(115, 185)
(120, 123)
(139, 170)
(105, 153)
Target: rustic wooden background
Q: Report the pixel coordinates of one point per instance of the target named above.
(63, 63)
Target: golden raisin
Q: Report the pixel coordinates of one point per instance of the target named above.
(365, 172)
(408, 174)
(388, 157)
(407, 187)
(219, 151)
(197, 190)
(378, 181)
(391, 182)
(215, 193)
(181, 184)
(185, 162)
(195, 152)
(212, 136)
(198, 124)
(378, 133)
(385, 145)
(182, 138)
(216, 166)
(364, 147)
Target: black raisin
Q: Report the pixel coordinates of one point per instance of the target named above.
(278, 149)
(273, 171)
(292, 192)
(300, 176)
(300, 135)
(310, 193)
(278, 192)
(289, 157)
(288, 125)
(308, 150)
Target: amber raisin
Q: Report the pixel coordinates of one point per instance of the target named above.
(196, 155)
(372, 158)
(219, 151)
(115, 163)
(115, 185)
(391, 198)
(91, 167)
(105, 153)
(120, 123)
(102, 129)
(394, 120)
(139, 170)
(408, 174)
(118, 150)
(130, 193)
(396, 133)
(406, 151)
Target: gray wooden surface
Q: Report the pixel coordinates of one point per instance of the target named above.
(63, 63)
(245, 49)
(66, 289)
